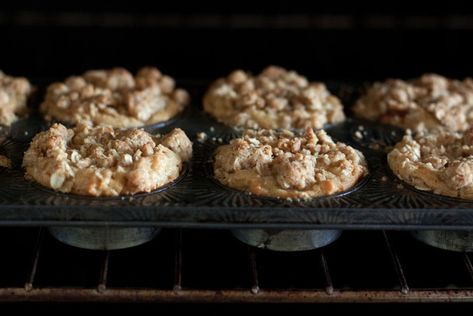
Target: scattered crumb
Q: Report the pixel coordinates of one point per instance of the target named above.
(361, 128)
(220, 140)
(214, 139)
(212, 129)
(358, 135)
(201, 137)
(26, 133)
(400, 186)
(384, 178)
(375, 146)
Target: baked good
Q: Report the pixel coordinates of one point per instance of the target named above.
(440, 162)
(276, 98)
(14, 92)
(103, 161)
(5, 161)
(427, 103)
(284, 165)
(114, 98)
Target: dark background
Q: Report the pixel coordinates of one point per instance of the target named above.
(198, 39)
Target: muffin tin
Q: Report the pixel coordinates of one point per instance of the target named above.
(380, 201)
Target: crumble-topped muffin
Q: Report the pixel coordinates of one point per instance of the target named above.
(14, 92)
(276, 98)
(114, 98)
(440, 162)
(5, 161)
(103, 161)
(284, 165)
(427, 103)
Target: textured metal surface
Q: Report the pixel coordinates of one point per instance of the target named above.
(198, 200)
(104, 238)
(449, 240)
(286, 240)
(234, 296)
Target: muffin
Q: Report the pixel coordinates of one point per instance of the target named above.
(440, 162)
(5, 162)
(282, 164)
(276, 98)
(103, 161)
(430, 102)
(14, 92)
(114, 98)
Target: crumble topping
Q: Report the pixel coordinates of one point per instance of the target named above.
(115, 98)
(426, 103)
(276, 98)
(103, 161)
(441, 162)
(5, 161)
(284, 165)
(14, 92)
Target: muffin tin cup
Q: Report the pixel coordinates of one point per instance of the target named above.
(286, 240)
(461, 241)
(104, 238)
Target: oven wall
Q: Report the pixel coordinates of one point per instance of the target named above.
(327, 40)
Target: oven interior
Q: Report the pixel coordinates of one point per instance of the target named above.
(200, 42)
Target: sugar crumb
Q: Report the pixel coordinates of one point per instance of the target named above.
(201, 137)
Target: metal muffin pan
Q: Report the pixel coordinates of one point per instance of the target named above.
(382, 202)
(104, 238)
(275, 239)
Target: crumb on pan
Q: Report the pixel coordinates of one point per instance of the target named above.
(201, 137)
(282, 164)
(115, 98)
(103, 161)
(426, 103)
(375, 146)
(276, 98)
(440, 162)
(14, 93)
